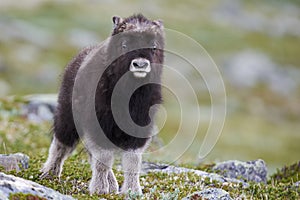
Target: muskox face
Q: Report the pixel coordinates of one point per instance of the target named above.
(139, 42)
(140, 50)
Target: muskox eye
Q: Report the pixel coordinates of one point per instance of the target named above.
(153, 48)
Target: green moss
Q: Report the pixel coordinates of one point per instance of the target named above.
(287, 174)
(206, 167)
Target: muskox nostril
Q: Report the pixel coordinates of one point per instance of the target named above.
(135, 64)
(143, 64)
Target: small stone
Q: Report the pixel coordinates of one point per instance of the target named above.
(12, 161)
(209, 194)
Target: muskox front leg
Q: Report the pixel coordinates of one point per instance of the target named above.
(131, 163)
(103, 180)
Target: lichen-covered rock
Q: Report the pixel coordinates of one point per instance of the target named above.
(10, 185)
(209, 194)
(169, 169)
(12, 161)
(250, 171)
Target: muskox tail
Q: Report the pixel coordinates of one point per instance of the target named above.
(64, 128)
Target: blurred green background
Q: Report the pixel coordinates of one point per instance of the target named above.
(255, 44)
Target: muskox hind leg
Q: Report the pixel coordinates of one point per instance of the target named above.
(58, 153)
(112, 181)
(131, 163)
(103, 179)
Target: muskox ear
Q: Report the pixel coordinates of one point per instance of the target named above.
(117, 20)
(158, 23)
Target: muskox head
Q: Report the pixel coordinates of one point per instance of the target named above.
(137, 45)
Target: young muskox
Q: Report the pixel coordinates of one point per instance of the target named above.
(134, 51)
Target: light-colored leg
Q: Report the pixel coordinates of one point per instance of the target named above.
(102, 161)
(112, 181)
(58, 153)
(131, 162)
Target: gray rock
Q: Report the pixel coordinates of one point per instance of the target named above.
(297, 184)
(235, 13)
(169, 169)
(82, 38)
(250, 171)
(209, 194)
(15, 29)
(149, 166)
(12, 161)
(248, 68)
(4, 88)
(11, 184)
(40, 108)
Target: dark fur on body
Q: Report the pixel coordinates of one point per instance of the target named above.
(141, 100)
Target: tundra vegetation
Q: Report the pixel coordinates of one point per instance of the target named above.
(33, 140)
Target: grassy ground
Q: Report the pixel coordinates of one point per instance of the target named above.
(19, 135)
